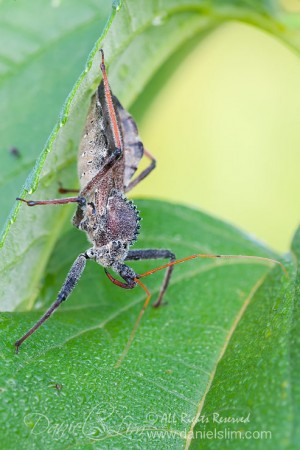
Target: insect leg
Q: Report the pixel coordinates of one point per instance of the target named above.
(57, 201)
(63, 190)
(107, 166)
(137, 255)
(68, 286)
(132, 279)
(126, 272)
(143, 174)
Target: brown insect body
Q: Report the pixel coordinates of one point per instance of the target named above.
(110, 220)
(109, 153)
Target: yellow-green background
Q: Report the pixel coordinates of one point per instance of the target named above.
(236, 100)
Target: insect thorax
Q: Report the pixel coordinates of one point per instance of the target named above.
(115, 230)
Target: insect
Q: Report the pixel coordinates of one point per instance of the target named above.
(109, 154)
(56, 386)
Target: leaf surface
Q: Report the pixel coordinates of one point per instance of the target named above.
(173, 358)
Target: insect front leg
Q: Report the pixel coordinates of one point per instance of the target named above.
(68, 286)
(137, 255)
(132, 279)
(126, 272)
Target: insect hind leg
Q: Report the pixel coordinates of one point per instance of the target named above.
(63, 190)
(138, 255)
(143, 174)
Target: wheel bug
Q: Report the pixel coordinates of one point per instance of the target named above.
(109, 154)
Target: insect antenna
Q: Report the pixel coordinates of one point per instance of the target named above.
(173, 263)
(200, 255)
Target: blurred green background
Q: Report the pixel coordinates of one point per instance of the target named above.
(236, 101)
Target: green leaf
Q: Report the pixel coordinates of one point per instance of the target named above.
(257, 374)
(173, 358)
(214, 307)
(138, 40)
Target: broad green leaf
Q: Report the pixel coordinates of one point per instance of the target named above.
(175, 357)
